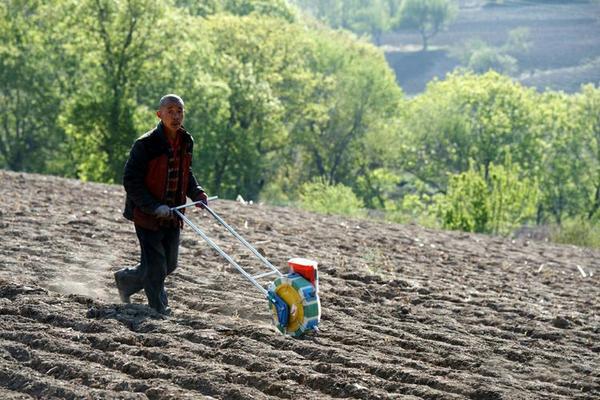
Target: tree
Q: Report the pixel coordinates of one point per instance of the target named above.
(465, 207)
(356, 95)
(117, 54)
(201, 8)
(308, 101)
(320, 196)
(271, 8)
(469, 117)
(481, 57)
(589, 101)
(485, 58)
(31, 83)
(513, 197)
(566, 169)
(239, 114)
(498, 203)
(427, 16)
(371, 17)
(376, 186)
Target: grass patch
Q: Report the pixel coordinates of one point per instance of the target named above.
(577, 232)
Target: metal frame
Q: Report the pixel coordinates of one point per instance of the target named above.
(252, 278)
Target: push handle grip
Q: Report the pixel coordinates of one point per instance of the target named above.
(194, 203)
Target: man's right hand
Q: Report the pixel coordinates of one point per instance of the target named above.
(162, 211)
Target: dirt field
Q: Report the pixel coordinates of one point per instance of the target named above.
(408, 313)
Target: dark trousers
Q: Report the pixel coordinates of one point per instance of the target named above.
(158, 259)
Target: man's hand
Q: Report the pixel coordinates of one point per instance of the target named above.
(162, 211)
(203, 198)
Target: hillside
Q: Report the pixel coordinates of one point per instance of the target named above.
(564, 54)
(408, 312)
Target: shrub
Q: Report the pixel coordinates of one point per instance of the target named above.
(466, 206)
(496, 201)
(578, 232)
(319, 196)
(488, 58)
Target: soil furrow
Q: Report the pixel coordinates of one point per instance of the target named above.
(407, 312)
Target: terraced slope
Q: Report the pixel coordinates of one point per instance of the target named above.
(408, 313)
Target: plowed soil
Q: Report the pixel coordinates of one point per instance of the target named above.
(564, 38)
(407, 312)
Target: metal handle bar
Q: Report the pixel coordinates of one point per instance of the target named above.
(241, 239)
(234, 233)
(194, 203)
(220, 251)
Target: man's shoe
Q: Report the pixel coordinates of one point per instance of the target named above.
(122, 293)
(162, 311)
(165, 311)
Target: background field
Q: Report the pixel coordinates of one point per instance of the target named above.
(565, 48)
(408, 312)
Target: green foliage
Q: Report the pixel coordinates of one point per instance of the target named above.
(566, 165)
(355, 94)
(376, 187)
(466, 205)
(373, 18)
(239, 118)
(364, 17)
(577, 231)
(498, 203)
(200, 8)
(276, 192)
(427, 16)
(588, 110)
(271, 8)
(480, 57)
(519, 41)
(414, 208)
(552, 138)
(468, 117)
(289, 112)
(487, 58)
(30, 86)
(322, 197)
(512, 198)
(114, 57)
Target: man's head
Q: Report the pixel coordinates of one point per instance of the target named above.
(171, 112)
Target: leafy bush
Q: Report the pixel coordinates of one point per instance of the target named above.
(480, 57)
(489, 58)
(466, 206)
(579, 232)
(428, 17)
(413, 208)
(319, 196)
(496, 201)
(512, 198)
(273, 8)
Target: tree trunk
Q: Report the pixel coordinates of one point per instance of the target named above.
(596, 204)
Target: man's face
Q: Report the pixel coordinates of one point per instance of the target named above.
(171, 115)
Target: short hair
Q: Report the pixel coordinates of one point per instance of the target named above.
(170, 98)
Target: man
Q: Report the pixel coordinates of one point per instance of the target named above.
(158, 176)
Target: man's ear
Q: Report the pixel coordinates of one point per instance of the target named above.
(158, 114)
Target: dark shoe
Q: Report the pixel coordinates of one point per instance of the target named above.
(163, 311)
(122, 293)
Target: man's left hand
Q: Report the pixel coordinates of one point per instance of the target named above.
(203, 198)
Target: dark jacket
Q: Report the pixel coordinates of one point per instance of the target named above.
(145, 176)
